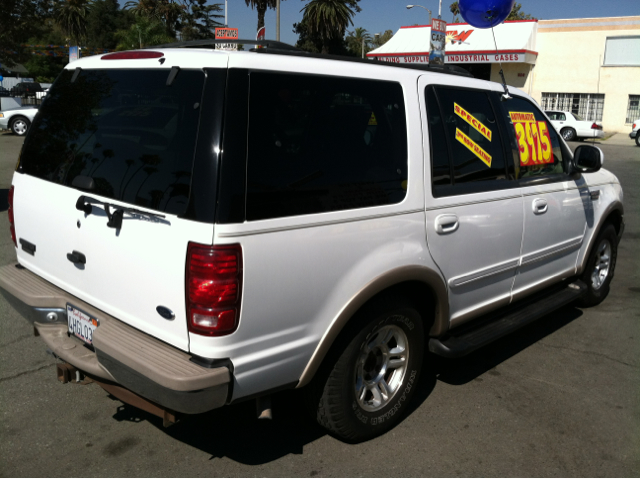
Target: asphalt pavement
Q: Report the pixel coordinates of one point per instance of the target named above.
(558, 398)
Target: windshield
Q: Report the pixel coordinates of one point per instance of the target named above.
(578, 117)
(126, 129)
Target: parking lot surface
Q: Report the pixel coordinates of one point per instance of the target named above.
(558, 398)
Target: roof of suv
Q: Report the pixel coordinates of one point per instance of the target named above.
(195, 49)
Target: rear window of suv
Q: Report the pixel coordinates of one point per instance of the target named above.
(127, 129)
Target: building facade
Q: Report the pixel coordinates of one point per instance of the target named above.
(589, 66)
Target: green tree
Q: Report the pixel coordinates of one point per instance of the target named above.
(103, 20)
(198, 21)
(71, 15)
(261, 6)
(44, 69)
(166, 11)
(145, 32)
(19, 21)
(359, 41)
(379, 40)
(328, 18)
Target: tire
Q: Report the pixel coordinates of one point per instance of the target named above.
(20, 126)
(638, 139)
(346, 396)
(569, 134)
(600, 267)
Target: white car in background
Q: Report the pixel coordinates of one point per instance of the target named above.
(635, 132)
(18, 120)
(572, 126)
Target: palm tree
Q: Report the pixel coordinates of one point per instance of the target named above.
(166, 11)
(359, 41)
(71, 16)
(261, 6)
(328, 18)
(145, 32)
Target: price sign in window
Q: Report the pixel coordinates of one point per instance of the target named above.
(534, 142)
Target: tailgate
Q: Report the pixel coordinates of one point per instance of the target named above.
(126, 138)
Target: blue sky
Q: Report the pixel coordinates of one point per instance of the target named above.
(381, 15)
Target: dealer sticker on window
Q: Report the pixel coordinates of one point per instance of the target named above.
(534, 142)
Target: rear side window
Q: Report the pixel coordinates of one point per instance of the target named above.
(319, 144)
(126, 129)
(537, 151)
(467, 152)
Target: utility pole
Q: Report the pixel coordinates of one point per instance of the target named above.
(277, 20)
(226, 8)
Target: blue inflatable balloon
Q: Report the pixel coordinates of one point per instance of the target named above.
(485, 13)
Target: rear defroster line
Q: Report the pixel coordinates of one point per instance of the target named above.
(85, 204)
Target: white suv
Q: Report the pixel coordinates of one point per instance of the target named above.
(197, 227)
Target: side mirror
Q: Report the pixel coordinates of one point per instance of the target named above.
(588, 158)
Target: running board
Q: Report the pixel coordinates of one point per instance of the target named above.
(457, 344)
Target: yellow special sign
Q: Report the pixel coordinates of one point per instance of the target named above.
(473, 147)
(522, 117)
(473, 121)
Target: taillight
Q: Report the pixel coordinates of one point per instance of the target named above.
(12, 225)
(595, 126)
(132, 55)
(213, 287)
(634, 126)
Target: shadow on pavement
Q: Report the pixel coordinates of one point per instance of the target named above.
(235, 432)
(4, 201)
(461, 371)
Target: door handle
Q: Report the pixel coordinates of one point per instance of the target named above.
(77, 257)
(446, 224)
(539, 206)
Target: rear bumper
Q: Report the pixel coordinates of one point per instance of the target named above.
(124, 355)
(633, 134)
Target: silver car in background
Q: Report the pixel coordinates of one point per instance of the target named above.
(18, 120)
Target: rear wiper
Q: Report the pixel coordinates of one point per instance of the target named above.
(85, 203)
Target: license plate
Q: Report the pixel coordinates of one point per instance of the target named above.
(81, 325)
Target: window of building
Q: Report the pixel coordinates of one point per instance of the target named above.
(633, 109)
(319, 144)
(622, 51)
(588, 105)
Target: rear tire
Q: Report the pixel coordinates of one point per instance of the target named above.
(600, 267)
(366, 383)
(569, 134)
(20, 126)
(638, 139)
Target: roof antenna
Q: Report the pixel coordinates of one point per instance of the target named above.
(505, 96)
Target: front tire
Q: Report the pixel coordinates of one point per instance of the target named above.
(20, 126)
(600, 267)
(368, 382)
(569, 134)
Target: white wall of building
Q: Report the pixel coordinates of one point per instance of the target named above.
(570, 60)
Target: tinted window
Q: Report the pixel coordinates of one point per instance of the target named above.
(126, 129)
(440, 164)
(318, 144)
(473, 135)
(536, 148)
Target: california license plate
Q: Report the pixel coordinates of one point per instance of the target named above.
(81, 324)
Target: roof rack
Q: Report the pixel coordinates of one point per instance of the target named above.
(279, 48)
(214, 41)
